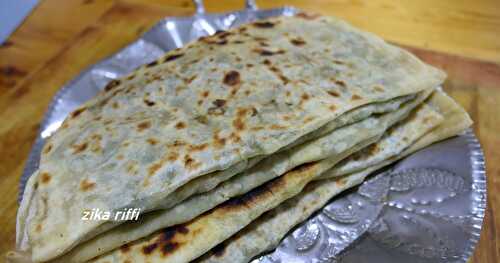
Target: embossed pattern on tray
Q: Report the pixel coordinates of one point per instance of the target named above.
(423, 209)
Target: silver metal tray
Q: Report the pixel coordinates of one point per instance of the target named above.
(428, 207)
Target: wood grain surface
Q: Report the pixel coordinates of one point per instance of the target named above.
(60, 38)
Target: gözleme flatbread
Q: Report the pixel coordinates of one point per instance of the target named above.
(209, 110)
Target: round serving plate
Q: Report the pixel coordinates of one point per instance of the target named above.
(429, 207)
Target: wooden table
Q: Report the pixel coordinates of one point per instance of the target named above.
(62, 37)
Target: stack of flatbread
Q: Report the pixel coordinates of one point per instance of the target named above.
(228, 143)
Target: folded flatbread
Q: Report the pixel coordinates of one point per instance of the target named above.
(187, 241)
(212, 108)
(338, 142)
(265, 233)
